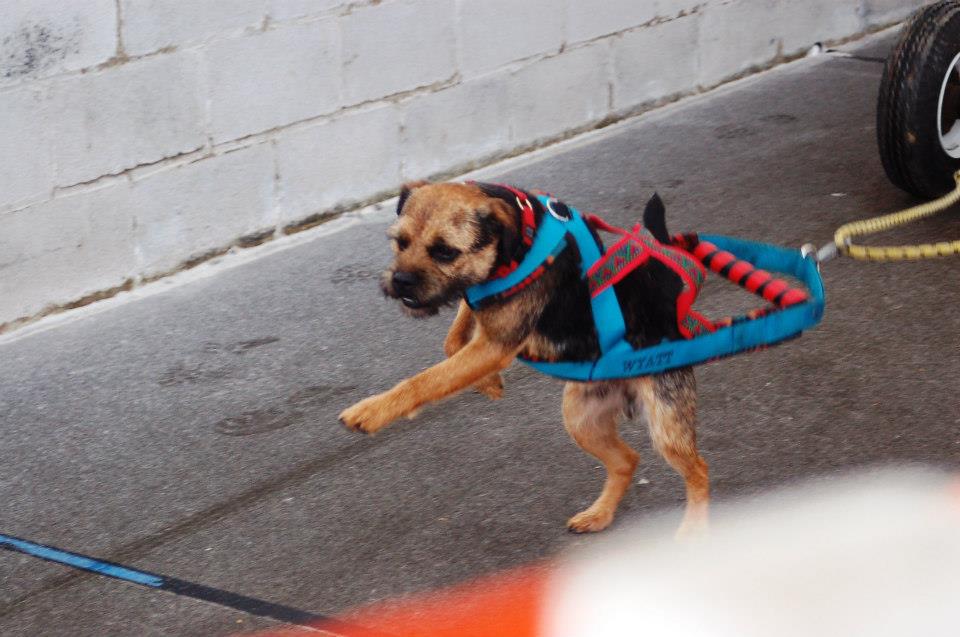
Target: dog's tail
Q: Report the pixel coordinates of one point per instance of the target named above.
(655, 219)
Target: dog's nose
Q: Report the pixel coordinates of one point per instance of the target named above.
(404, 281)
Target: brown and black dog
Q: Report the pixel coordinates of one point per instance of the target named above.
(450, 236)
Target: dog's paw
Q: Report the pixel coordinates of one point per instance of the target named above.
(490, 386)
(369, 415)
(590, 521)
(695, 524)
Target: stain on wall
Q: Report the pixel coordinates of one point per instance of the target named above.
(35, 47)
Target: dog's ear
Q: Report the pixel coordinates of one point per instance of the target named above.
(655, 219)
(509, 242)
(405, 191)
(498, 223)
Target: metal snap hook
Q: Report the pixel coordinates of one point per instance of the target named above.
(808, 249)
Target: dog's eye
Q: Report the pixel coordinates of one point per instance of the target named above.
(402, 243)
(443, 253)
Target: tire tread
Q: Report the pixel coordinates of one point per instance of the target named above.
(902, 87)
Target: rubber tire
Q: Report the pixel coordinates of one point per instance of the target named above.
(907, 118)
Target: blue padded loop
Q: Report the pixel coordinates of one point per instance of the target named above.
(623, 361)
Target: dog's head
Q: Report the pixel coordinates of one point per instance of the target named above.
(447, 237)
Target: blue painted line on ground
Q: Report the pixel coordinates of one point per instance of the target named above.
(243, 603)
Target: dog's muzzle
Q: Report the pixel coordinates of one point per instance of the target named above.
(404, 287)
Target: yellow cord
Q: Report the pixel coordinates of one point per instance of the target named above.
(899, 253)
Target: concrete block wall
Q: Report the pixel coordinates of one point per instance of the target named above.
(141, 136)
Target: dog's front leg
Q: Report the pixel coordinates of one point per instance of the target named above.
(461, 331)
(478, 358)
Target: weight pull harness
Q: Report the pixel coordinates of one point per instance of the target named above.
(743, 262)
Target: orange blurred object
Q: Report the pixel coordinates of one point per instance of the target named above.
(508, 604)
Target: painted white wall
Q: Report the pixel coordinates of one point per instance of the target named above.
(140, 135)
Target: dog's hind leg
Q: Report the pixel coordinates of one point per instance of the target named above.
(670, 405)
(590, 414)
(460, 333)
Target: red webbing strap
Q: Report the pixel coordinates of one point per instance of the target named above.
(527, 216)
(528, 229)
(696, 323)
(744, 274)
(633, 250)
(596, 222)
(617, 262)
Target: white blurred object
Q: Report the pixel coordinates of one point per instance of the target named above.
(877, 556)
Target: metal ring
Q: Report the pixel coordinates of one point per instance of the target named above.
(553, 212)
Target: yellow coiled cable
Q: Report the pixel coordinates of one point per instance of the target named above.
(899, 253)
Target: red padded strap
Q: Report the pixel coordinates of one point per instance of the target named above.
(744, 274)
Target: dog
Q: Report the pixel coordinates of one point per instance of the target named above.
(451, 236)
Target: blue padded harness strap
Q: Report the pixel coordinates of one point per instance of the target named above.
(550, 239)
(623, 361)
(607, 315)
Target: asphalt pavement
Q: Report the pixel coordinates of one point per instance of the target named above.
(193, 433)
